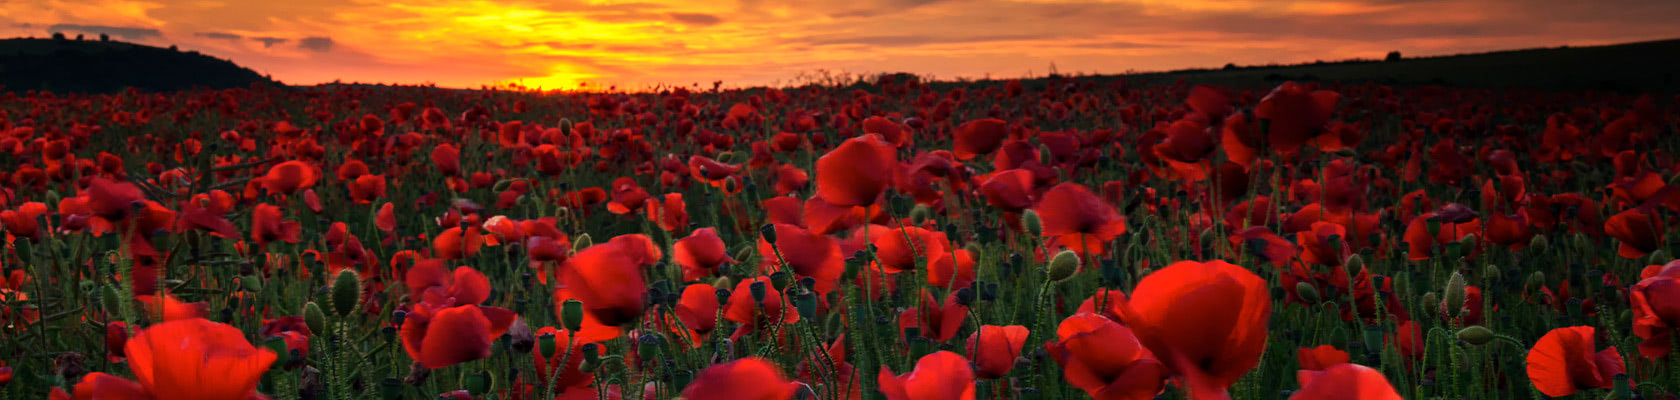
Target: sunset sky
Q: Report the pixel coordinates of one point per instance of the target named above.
(766, 42)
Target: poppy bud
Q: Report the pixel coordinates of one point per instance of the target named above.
(1454, 294)
(1031, 222)
(390, 389)
(477, 383)
(278, 345)
(112, 301)
(1539, 244)
(1306, 292)
(346, 292)
(757, 290)
(920, 214)
(1434, 226)
(1430, 298)
(769, 233)
(1659, 257)
(1490, 273)
(251, 283)
(314, 318)
(1475, 334)
(520, 337)
(1535, 280)
(546, 345)
(1063, 265)
(581, 242)
(1354, 262)
(973, 250)
(1344, 152)
(571, 315)
(1468, 241)
(1206, 238)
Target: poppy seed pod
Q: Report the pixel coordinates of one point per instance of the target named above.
(571, 315)
(520, 338)
(546, 345)
(768, 231)
(390, 389)
(477, 383)
(757, 290)
(1063, 266)
(591, 357)
(1455, 292)
(1475, 334)
(1031, 223)
(780, 280)
(346, 292)
(314, 318)
(807, 304)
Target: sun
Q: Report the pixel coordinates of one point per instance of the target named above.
(558, 78)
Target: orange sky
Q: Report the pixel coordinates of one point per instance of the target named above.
(768, 42)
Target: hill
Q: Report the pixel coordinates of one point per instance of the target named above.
(91, 66)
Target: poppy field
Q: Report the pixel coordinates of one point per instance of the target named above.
(1058, 238)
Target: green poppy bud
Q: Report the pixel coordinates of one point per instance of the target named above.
(920, 214)
(1063, 266)
(1475, 334)
(1455, 292)
(346, 292)
(1539, 244)
(112, 300)
(314, 318)
(1031, 222)
(1307, 292)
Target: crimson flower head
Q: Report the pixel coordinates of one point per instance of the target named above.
(192, 359)
(750, 378)
(1078, 219)
(938, 376)
(1204, 320)
(857, 172)
(290, 177)
(1297, 114)
(1656, 309)
(1344, 381)
(1105, 359)
(1567, 360)
(994, 349)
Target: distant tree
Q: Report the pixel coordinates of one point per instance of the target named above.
(1230, 66)
(173, 48)
(78, 37)
(1392, 56)
(58, 35)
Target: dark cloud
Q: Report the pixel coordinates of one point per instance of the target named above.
(695, 19)
(219, 35)
(125, 32)
(915, 40)
(316, 43)
(269, 41)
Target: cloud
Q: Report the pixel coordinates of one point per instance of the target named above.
(268, 42)
(316, 43)
(219, 35)
(695, 19)
(125, 32)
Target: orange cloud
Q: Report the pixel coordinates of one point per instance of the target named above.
(561, 44)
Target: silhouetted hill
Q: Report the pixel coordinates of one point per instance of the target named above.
(92, 66)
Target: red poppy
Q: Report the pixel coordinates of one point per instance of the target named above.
(1185, 149)
(993, 349)
(979, 137)
(439, 335)
(386, 218)
(1204, 320)
(1009, 190)
(670, 214)
(456, 243)
(431, 281)
(1105, 359)
(185, 359)
(1079, 220)
(109, 199)
(1344, 381)
(23, 222)
(1421, 244)
(116, 337)
(1297, 113)
(750, 378)
(167, 307)
(367, 188)
(1323, 244)
(627, 196)
(1656, 310)
(856, 172)
(700, 254)
(268, 225)
(607, 278)
(697, 310)
(934, 321)
(1565, 361)
(1639, 230)
(752, 314)
(939, 376)
(447, 158)
(1321, 357)
(806, 253)
(290, 177)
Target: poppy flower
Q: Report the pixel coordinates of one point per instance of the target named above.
(752, 314)
(856, 172)
(979, 137)
(1079, 220)
(939, 376)
(1296, 113)
(185, 359)
(697, 310)
(447, 158)
(438, 335)
(290, 177)
(1421, 244)
(431, 281)
(1204, 320)
(386, 218)
(109, 199)
(1323, 244)
(627, 196)
(367, 188)
(1105, 359)
(700, 254)
(749, 378)
(167, 307)
(1565, 361)
(1185, 149)
(268, 225)
(1010, 190)
(1344, 381)
(456, 243)
(1321, 357)
(899, 248)
(669, 213)
(806, 253)
(1656, 310)
(607, 278)
(934, 321)
(23, 222)
(994, 349)
(116, 337)
(1640, 232)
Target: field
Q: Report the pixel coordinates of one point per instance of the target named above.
(1066, 237)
